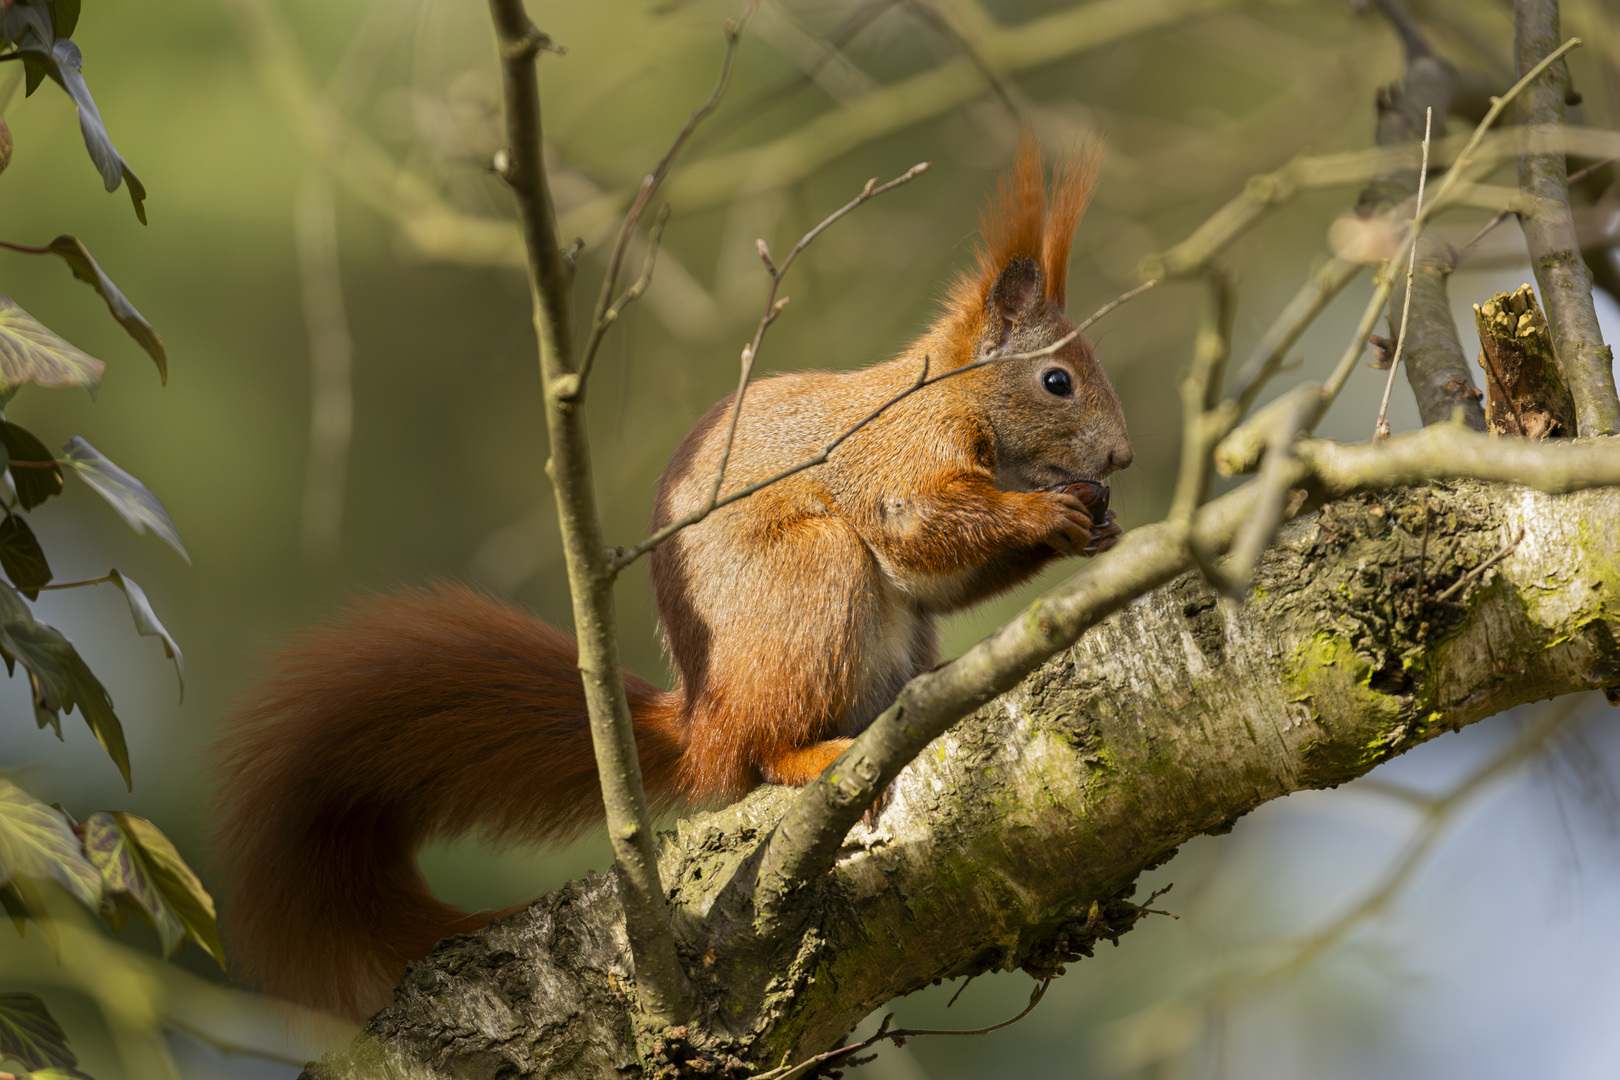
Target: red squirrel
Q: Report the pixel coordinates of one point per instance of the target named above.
(793, 617)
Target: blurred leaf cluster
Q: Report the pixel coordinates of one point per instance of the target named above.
(117, 864)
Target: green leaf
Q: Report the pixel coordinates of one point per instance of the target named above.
(134, 503)
(13, 614)
(34, 72)
(77, 256)
(146, 622)
(36, 843)
(65, 15)
(31, 352)
(29, 1034)
(22, 558)
(62, 61)
(23, 901)
(62, 681)
(17, 621)
(125, 875)
(17, 906)
(173, 879)
(34, 472)
(5, 145)
(29, 25)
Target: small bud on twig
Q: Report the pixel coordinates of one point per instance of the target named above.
(570, 254)
(1382, 352)
(765, 255)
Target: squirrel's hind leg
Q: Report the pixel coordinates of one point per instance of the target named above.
(801, 639)
(800, 766)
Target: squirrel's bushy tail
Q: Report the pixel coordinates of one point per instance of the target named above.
(424, 713)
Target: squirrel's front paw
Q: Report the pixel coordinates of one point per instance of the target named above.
(1107, 535)
(1070, 529)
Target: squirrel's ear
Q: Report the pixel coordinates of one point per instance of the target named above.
(1017, 291)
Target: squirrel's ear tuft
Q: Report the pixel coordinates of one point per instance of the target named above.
(1071, 193)
(1023, 256)
(1010, 225)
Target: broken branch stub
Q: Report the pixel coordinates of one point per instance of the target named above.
(1525, 391)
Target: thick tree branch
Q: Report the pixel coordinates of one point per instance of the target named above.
(1014, 842)
(1562, 277)
(663, 993)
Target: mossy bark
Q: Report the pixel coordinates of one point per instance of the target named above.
(1015, 839)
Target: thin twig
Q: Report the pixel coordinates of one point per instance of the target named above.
(1048, 350)
(899, 1036)
(1506, 550)
(639, 286)
(773, 309)
(965, 984)
(1473, 241)
(623, 557)
(75, 584)
(1508, 211)
(1423, 562)
(606, 308)
(1381, 429)
(25, 249)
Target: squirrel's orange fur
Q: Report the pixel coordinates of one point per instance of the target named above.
(792, 617)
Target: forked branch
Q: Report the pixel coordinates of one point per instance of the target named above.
(661, 987)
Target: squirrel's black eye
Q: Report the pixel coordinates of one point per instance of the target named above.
(1057, 382)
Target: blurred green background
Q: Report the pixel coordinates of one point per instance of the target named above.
(442, 476)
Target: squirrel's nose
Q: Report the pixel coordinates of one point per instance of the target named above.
(1121, 456)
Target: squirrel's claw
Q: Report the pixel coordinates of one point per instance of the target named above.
(1107, 535)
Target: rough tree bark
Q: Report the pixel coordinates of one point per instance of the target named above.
(1014, 841)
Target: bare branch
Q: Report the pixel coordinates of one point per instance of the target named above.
(606, 308)
(661, 990)
(1506, 550)
(1381, 428)
(1562, 276)
(1203, 423)
(1264, 191)
(899, 1036)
